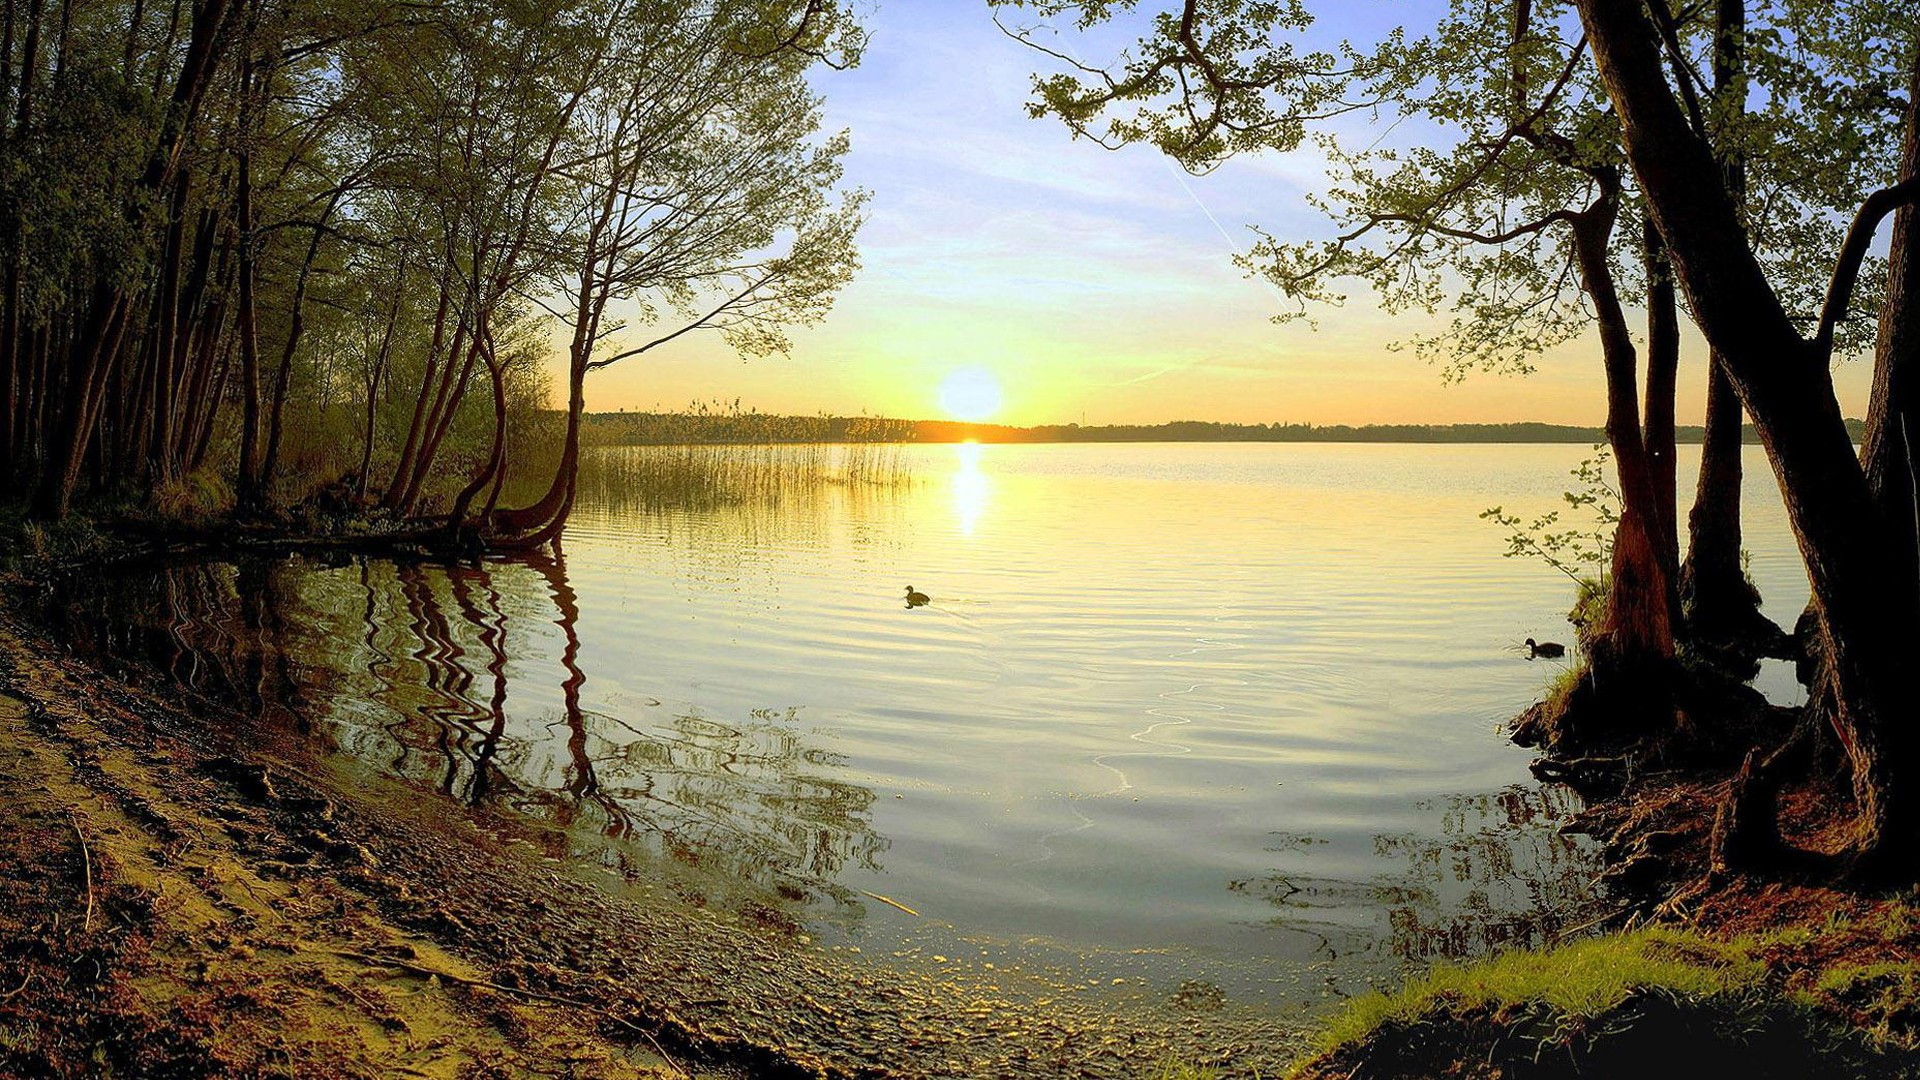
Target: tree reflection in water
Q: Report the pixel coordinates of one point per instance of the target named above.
(1499, 874)
(411, 667)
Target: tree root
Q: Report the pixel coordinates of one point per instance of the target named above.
(1746, 837)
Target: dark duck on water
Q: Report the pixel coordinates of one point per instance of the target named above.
(1551, 650)
(916, 599)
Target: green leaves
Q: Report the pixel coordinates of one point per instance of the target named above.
(1505, 133)
(1580, 549)
(1214, 79)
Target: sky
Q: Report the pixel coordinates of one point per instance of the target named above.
(1086, 286)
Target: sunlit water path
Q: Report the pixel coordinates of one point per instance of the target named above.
(1226, 713)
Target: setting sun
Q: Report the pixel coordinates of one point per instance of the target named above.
(970, 394)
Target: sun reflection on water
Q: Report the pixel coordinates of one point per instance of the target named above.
(972, 488)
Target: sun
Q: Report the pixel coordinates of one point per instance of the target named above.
(970, 394)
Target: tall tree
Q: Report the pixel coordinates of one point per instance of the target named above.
(706, 206)
(1218, 77)
(1866, 585)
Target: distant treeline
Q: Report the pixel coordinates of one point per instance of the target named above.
(629, 429)
(706, 424)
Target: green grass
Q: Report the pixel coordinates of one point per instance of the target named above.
(1589, 603)
(1561, 686)
(1843, 979)
(1584, 979)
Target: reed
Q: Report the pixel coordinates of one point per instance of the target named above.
(696, 476)
(727, 424)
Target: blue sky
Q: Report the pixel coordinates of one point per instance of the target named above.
(1093, 285)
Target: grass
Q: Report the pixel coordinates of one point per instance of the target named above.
(698, 476)
(1846, 978)
(1835, 982)
(1589, 604)
(29, 547)
(1581, 980)
(200, 499)
(1561, 686)
(726, 423)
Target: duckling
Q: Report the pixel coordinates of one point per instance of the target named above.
(915, 599)
(1552, 650)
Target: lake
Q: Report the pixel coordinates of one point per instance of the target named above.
(1223, 713)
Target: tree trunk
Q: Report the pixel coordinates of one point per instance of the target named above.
(380, 361)
(296, 329)
(1863, 584)
(196, 319)
(403, 469)
(1893, 413)
(542, 523)
(1722, 607)
(79, 406)
(204, 439)
(1720, 603)
(161, 461)
(1663, 365)
(247, 485)
(590, 305)
(211, 340)
(1635, 642)
(483, 338)
(440, 416)
(12, 363)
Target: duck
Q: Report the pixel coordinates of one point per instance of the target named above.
(1552, 650)
(915, 599)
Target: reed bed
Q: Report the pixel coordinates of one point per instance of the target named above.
(727, 424)
(708, 476)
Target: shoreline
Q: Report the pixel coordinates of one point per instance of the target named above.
(253, 839)
(277, 911)
(643, 428)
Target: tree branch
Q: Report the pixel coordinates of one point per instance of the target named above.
(1846, 270)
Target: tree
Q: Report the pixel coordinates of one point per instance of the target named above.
(212, 218)
(1614, 101)
(708, 203)
(1514, 227)
(1857, 547)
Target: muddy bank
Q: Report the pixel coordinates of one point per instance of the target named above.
(259, 912)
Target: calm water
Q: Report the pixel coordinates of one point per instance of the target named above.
(1220, 711)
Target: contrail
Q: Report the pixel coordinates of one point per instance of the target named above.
(1179, 175)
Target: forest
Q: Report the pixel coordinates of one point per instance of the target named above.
(257, 249)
